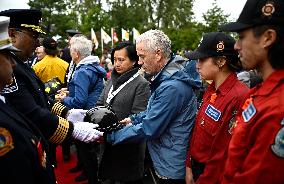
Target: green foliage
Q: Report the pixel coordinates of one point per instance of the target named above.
(214, 17)
(175, 17)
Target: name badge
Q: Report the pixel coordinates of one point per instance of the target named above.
(249, 112)
(213, 113)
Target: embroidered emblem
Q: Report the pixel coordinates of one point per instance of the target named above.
(213, 113)
(11, 87)
(278, 146)
(249, 112)
(268, 9)
(6, 141)
(213, 98)
(232, 122)
(220, 46)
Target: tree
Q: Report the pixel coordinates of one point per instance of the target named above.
(57, 16)
(214, 17)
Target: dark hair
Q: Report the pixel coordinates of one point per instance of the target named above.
(51, 52)
(130, 49)
(275, 55)
(232, 61)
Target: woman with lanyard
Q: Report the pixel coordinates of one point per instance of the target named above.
(127, 93)
(219, 62)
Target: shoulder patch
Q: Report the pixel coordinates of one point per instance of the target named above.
(249, 112)
(6, 141)
(11, 87)
(278, 146)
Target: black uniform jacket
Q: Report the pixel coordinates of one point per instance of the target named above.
(22, 151)
(27, 96)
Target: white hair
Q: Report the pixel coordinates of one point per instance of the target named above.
(82, 45)
(156, 39)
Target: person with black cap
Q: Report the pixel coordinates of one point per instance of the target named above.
(26, 93)
(65, 53)
(217, 61)
(256, 150)
(50, 66)
(23, 148)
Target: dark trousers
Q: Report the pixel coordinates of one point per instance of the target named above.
(197, 168)
(66, 149)
(88, 154)
(122, 182)
(170, 181)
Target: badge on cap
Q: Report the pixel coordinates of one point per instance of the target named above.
(220, 46)
(278, 146)
(6, 141)
(268, 9)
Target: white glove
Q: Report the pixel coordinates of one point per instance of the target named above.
(76, 115)
(84, 131)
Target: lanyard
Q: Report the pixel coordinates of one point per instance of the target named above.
(112, 93)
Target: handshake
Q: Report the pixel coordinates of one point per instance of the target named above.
(92, 124)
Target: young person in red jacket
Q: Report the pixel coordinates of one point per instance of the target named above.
(217, 61)
(256, 150)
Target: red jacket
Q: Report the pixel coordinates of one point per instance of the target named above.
(256, 150)
(211, 134)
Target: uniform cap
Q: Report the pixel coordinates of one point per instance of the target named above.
(5, 42)
(258, 12)
(213, 44)
(49, 43)
(24, 18)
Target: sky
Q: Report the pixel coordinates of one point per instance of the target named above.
(232, 7)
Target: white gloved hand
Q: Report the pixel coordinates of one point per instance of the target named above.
(76, 115)
(86, 132)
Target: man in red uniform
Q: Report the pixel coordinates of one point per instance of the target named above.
(217, 61)
(256, 150)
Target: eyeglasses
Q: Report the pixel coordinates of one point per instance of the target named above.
(32, 35)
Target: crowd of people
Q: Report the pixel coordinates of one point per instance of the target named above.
(216, 116)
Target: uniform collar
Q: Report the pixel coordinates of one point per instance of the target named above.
(270, 83)
(225, 86)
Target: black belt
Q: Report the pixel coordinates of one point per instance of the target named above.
(197, 168)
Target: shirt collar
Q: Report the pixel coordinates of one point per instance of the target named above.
(225, 86)
(270, 83)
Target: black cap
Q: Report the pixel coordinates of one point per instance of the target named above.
(213, 44)
(258, 12)
(72, 32)
(49, 43)
(24, 18)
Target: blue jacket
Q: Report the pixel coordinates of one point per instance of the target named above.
(86, 84)
(168, 120)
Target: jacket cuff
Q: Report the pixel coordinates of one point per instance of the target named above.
(59, 109)
(63, 131)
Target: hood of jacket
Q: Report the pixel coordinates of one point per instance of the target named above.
(91, 63)
(89, 60)
(181, 69)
